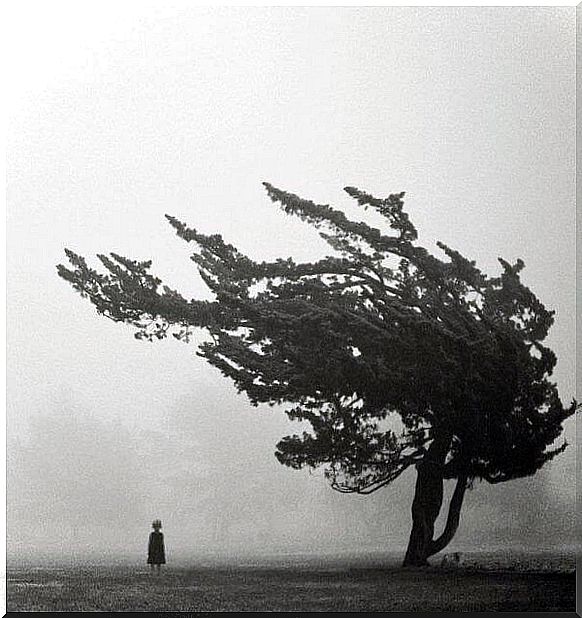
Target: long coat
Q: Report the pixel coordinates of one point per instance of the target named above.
(156, 552)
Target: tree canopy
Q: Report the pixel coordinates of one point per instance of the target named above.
(378, 329)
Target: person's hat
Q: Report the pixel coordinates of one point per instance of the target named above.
(156, 523)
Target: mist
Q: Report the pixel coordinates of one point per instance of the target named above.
(128, 115)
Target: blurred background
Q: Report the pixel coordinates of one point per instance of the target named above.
(119, 114)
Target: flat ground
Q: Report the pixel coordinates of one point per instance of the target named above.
(298, 588)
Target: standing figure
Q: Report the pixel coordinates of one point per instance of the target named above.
(156, 551)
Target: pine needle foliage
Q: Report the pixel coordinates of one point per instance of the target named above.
(380, 327)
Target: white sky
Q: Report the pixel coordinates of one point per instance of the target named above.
(120, 115)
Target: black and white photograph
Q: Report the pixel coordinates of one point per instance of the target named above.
(290, 308)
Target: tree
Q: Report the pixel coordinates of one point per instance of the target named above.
(380, 331)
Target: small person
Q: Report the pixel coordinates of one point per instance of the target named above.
(156, 551)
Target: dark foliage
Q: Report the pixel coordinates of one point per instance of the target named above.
(380, 327)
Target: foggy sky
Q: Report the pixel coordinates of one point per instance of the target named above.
(119, 116)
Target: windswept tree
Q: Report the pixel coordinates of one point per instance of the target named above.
(380, 331)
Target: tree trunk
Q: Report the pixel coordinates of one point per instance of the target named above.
(428, 498)
(453, 517)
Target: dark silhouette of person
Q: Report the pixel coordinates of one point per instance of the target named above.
(156, 550)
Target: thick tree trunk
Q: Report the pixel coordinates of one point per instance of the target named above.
(426, 506)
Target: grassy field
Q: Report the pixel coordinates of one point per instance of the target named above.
(295, 587)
